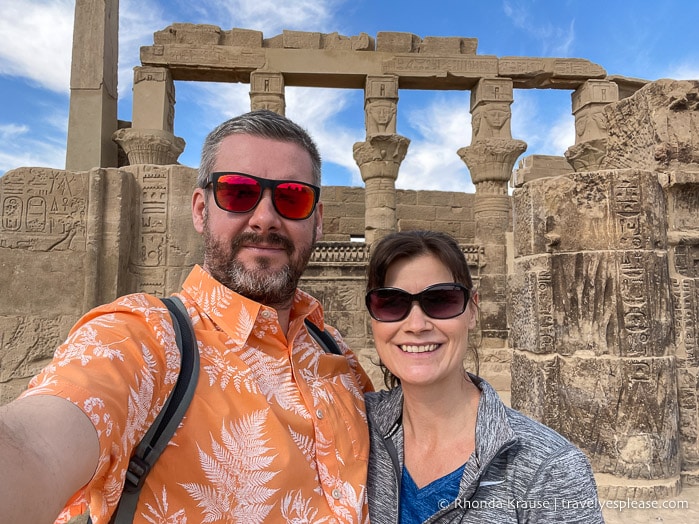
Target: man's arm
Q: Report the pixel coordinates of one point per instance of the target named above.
(49, 449)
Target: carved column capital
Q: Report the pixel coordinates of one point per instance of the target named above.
(492, 159)
(149, 146)
(380, 156)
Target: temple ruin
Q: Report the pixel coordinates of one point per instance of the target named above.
(588, 271)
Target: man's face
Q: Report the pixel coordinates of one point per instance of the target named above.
(258, 254)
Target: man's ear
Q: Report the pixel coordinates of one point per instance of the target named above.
(319, 221)
(199, 209)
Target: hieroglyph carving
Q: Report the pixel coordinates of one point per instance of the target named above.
(44, 211)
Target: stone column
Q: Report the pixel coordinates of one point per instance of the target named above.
(589, 101)
(93, 86)
(592, 324)
(682, 192)
(267, 91)
(380, 156)
(151, 138)
(490, 159)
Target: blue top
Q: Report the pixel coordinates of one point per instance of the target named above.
(419, 504)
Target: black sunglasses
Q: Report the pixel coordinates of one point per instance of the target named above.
(439, 301)
(240, 193)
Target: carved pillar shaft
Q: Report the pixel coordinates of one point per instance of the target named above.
(267, 91)
(379, 158)
(151, 140)
(93, 86)
(682, 192)
(153, 99)
(490, 159)
(589, 101)
(592, 324)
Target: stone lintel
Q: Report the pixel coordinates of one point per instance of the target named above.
(186, 33)
(301, 39)
(556, 73)
(242, 38)
(448, 45)
(343, 66)
(627, 85)
(204, 62)
(396, 42)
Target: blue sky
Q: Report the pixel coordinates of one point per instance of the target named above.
(640, 39)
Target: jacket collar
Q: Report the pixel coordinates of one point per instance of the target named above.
(493, 430)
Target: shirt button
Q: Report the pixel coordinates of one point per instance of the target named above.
(337, 494)
(266, 314)
(319, 413)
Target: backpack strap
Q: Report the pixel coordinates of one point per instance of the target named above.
(163, 428)
(325, 339)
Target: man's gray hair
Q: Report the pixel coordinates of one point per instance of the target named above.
(262, 123)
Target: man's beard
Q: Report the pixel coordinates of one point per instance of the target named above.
(271, 288)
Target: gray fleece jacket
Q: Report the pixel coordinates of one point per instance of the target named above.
(520, 471)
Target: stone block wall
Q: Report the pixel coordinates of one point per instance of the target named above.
(70, 241)
(600, 365)
(451, 212)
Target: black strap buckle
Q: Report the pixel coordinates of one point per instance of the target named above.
(136, 474)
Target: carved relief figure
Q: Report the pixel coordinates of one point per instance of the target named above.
(381, 117)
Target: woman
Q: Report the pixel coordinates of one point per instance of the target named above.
(444, 448)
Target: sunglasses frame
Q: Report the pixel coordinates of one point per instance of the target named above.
(418, 297)
(264, 183)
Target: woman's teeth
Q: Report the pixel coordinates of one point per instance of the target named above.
(419, 349)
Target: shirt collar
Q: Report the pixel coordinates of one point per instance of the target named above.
(233, 312)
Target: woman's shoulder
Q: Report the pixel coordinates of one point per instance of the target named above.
(526, 427)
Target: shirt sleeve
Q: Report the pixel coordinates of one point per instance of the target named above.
(118, 365)
(564, 490)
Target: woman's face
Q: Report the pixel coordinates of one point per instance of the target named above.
(421, 350)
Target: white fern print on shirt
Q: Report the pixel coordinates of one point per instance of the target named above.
(237, 474)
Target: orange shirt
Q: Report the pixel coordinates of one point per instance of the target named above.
(276, 431)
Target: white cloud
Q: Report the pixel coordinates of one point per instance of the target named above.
(685, 71)
(555, 41)
(314, 109)
(12, 131)
(317, 110)
(30, 151)
(138, 20)
(271, 16)
(37, 38)
(543, 119)
(561, 135)
(442, 127)
(24, 145)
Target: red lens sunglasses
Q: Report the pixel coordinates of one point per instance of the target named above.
(240, 193)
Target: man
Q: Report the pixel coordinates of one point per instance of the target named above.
(276, 431)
